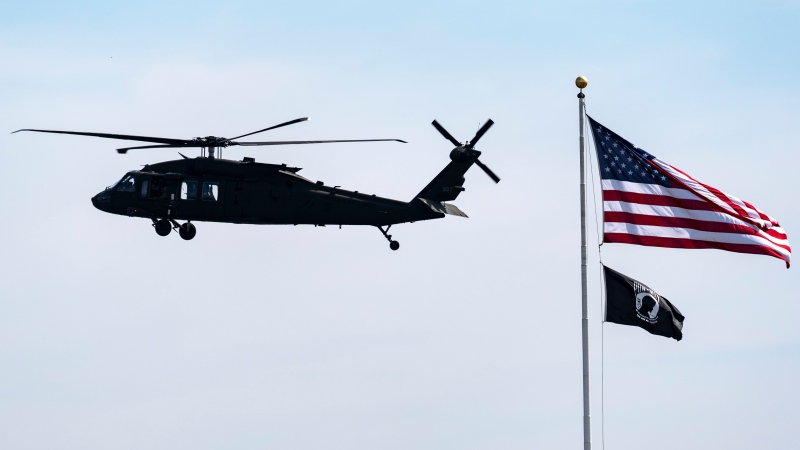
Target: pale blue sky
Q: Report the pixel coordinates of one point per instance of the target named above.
(468, 337)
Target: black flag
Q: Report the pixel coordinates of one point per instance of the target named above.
(629, 302)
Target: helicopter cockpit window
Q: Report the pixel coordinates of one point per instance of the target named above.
(210, 191)
(189, 190)
(127, 184)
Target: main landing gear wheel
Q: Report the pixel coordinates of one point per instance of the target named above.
(187, 231)
(394, 245)
(163, 227)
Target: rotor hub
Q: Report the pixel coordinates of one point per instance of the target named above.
(464, 154)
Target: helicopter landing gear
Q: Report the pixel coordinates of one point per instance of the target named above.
(394, 245)
(187, 231)
(163, 227)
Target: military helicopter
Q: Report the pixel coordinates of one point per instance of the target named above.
(209, 188)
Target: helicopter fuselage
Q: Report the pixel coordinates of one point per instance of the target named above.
(218, 190)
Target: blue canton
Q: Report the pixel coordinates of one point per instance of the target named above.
(621, 160)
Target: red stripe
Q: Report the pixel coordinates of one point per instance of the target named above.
(760, 214)
(775, 233)
(678, 222)
(652, 241)
(741, 213)
(724, 197)
(657, 200)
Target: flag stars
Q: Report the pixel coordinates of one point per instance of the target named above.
(605, 155)
(613, 163)
(616, 158)
(630, 172)
(663, 178)
(615, 145)
(608, 170)
(622, 165)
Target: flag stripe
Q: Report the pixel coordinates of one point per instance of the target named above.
(657, 210)
(688, 233)
(655, 241)
(674, 217)
(645, 188)
(719, 198)
(675, 222)
(647, 214)
(660, 200)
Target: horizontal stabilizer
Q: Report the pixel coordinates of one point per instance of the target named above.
(442, 207)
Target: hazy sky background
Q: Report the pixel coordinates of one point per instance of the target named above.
(468, 337)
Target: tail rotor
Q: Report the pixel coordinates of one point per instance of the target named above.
(466, 152)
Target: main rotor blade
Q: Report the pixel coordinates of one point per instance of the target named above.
(487, 170)
(302, 119)
(180, 142)
(125, 150)
(480, 133)
(444, 132)
(249, 144)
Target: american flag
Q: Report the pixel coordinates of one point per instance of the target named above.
(649, 202)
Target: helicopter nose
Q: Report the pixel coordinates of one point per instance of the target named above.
(101, 199)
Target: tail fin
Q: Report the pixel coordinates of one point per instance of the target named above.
(448, 183)
(446, 186)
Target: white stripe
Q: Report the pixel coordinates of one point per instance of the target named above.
(688, 233)
(753, 213)
(672, 211)
(645, 188)
(694, 185)
(681, 213)
(703, 191)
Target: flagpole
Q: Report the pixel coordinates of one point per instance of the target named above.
(581, 83)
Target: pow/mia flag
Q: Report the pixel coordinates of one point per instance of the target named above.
(629, 302)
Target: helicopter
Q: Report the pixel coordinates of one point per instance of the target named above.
(209, 188)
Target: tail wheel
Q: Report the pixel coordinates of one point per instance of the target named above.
(394, 245)
(187, 231)
(163, 227)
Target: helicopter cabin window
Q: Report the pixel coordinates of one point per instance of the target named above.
(145, 187)
(189, 190)
(210, 191)
(127, 184)
(158, 188)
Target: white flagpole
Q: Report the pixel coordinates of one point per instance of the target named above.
(587, 428)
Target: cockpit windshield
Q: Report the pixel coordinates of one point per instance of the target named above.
(126, 184)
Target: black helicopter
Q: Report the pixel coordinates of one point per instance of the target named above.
(209, 188)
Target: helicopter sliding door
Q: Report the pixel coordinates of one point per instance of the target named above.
(200, 200)
(157, 196)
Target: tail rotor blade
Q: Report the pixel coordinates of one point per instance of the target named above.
(446, 135)
(480, 133)
(488, 171)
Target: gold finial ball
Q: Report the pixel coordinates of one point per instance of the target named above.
(581, 82)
